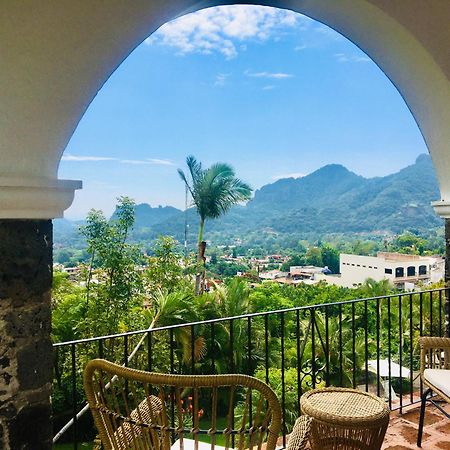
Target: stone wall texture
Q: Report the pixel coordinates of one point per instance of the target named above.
(25, 324)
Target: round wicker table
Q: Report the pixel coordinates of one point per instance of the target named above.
(345, 419)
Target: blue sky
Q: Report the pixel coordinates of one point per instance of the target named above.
(269, 91)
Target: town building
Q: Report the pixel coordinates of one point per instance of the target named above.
(272, 275)
(403, 271)
(306, 272)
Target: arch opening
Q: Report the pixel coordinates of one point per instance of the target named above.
(360, 57)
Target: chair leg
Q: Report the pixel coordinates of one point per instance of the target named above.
(422, 416)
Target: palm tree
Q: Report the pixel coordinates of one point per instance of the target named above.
(214, 191)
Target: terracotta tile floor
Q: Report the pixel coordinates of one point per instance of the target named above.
(402, 431)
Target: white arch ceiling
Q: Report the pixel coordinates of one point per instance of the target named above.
(55, 56)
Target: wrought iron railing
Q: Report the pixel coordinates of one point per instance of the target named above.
(370, 344)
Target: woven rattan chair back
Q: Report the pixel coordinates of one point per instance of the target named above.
(133, 409)
(435, 353)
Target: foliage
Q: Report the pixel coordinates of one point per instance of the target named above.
(214, 191)
(114, 290)
(164, 269)
(314, 257)
(330, 258)
(69, 309)
(295, 260)
(227, 269)
(292, 392)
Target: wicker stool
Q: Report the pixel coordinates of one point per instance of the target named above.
(345, 419)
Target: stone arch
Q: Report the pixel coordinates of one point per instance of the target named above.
(54, 58)
(61, 57)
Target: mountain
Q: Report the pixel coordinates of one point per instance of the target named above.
(146, 216)
(333, 199)
(330, 200)
(312, 190)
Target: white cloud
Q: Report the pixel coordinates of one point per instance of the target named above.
(222, 29)
(268, 87)
(160, 162)
(136, 162)
(301, 47)
(150, 161)
(340, 57)
(275, 75)
(289, 175)
(221, 78)
(343, 58)
(69, 157)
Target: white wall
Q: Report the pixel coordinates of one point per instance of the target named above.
(356, 269)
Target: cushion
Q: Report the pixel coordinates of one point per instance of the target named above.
(440, 378)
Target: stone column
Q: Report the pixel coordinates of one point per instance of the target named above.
(26, 357)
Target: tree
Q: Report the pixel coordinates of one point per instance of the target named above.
(372, 288)
(314, 257)
(164, 268)
(409, 243)
(330, 258)
(295, 260)
(111, 276)
(214, 191)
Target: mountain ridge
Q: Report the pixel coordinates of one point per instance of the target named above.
(332, 199)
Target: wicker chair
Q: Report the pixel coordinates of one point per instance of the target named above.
(133, 409)
(435, 374)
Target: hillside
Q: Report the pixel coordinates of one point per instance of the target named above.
(330, 200)
(146, 216)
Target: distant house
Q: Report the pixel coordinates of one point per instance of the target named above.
(404, 271)
(277, 257)
(272, 275)
(72, 271)
(305, 272)
(296, 275)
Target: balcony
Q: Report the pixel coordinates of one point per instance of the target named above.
(294, 350)
(58, 56)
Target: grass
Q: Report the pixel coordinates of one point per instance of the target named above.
(220, 438)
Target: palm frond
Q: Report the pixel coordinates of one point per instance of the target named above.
(183, 177)
(197, 350)
(195, 168)
(214, 190)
